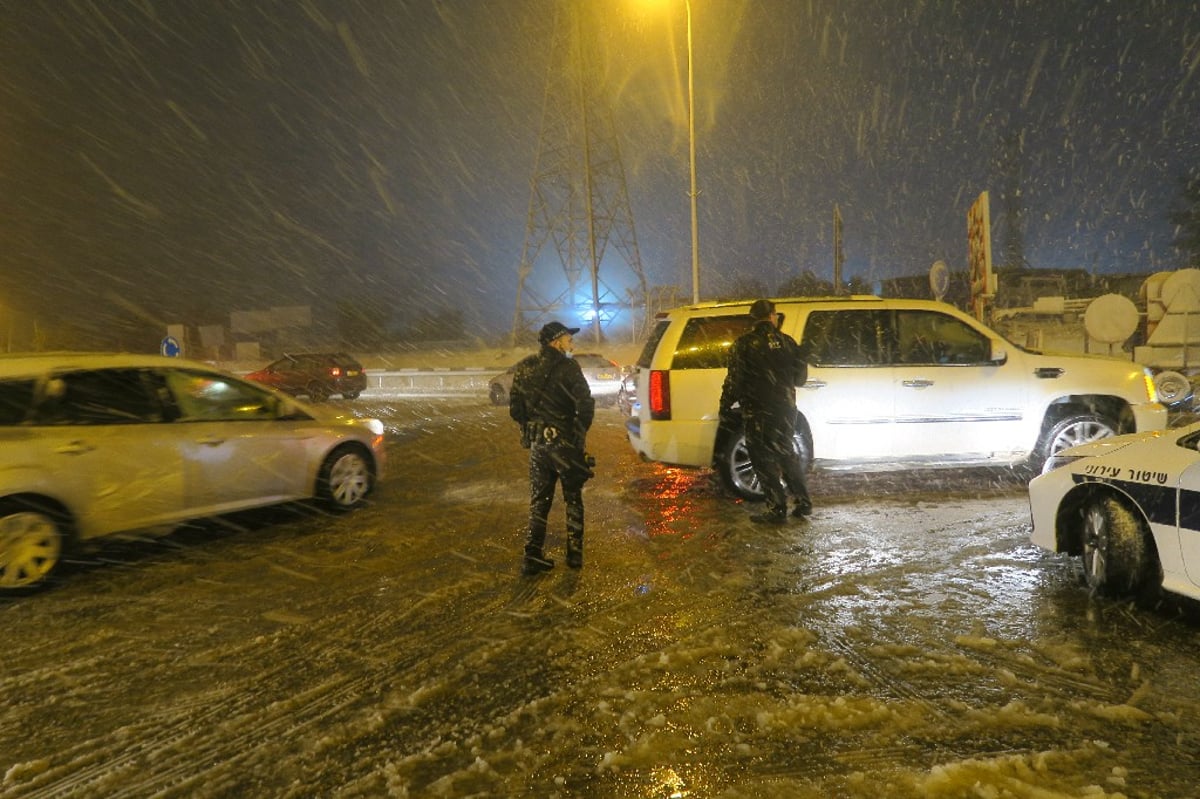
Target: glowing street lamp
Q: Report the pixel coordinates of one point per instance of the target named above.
(692, 159)
(694, 193)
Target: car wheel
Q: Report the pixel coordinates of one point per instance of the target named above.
(31, 547)
(345, 479)
(498, 394)
(351, 394)
(1117, 555)
(1080, 429)
(317, 392)
(737, 474)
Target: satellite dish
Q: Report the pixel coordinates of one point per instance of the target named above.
(1181, 291)
(1110, 319)
(939, 279)
(1172, 387)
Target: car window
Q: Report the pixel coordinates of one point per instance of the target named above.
(926, 337)
(705, 341)
(645, 358)
(100, 396)
(204, 396)
(16, 399)
(845, 338)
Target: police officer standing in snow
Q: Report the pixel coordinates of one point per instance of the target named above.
(551, 401)
(765, 367)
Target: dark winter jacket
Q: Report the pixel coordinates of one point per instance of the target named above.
(765, 367)
(549, 390)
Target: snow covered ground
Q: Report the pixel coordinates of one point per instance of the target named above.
(907, 641)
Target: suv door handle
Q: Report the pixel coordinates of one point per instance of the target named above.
(918, 383)
(76, 447)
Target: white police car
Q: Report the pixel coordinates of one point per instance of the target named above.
(1130, 505)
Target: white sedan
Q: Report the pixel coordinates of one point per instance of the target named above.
(1130, 505)
(95, 444)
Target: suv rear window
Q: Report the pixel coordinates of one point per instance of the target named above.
(705, 341)
(647, 355)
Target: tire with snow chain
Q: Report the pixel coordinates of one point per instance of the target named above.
(1118, 556)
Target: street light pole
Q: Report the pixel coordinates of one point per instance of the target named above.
(692, 160)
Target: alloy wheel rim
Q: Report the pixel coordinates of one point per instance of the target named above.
(1082, 433)
(30, 547)
(1095, 546)
(348, 480)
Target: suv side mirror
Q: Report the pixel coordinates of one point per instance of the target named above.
(999, 354)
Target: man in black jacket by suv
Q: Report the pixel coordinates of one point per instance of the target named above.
(765, 367)
(551, 401)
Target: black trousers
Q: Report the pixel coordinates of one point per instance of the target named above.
(772, 448)
(552, 463)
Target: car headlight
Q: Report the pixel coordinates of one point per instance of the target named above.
(1059, 460)
(1151, 386)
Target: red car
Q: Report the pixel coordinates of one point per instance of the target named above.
(318, 375)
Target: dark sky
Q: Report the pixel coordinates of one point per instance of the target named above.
(176, 160)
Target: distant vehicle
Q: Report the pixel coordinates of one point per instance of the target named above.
(317, 375)
(627, 401)
(892, 384)
(603, 377)
(94, 444)
(1130, 506)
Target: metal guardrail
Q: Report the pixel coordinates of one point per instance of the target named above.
(429, 382)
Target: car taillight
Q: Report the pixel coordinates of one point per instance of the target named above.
(660, 395)
(335, 371)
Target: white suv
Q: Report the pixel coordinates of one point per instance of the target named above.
(892, 384)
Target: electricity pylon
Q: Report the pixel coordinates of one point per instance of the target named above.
(580, 262)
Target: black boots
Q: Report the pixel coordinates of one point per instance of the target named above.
(801, 510)
(575, 555)
(536, 562)
(536, 565)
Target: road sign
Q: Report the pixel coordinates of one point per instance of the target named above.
(979, 254)
(170, 347)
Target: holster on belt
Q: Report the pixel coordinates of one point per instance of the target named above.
(530, 432)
